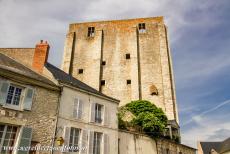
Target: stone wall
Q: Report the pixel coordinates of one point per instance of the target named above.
(41, 118)
(150, 62)
(135, 143)
(22, 55)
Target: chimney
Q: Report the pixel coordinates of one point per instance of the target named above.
(40, 56)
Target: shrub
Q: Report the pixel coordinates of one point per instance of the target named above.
(150, 118)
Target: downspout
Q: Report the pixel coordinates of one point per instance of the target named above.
(58, 107)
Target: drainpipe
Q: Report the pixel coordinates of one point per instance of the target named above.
(58, 107)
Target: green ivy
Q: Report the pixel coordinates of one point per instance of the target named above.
(150, 118)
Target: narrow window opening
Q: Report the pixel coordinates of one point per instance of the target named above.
(102, 82)
(103, 63)
(128, 81)
(127, 56)
(80, 71)
(141, 28)
(91, 31)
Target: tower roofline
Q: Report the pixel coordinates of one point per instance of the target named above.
(158, 18)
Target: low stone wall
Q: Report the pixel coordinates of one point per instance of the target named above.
(136, 143)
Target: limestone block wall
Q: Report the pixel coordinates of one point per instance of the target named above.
(149, 63)
(22, 55)
(41, 118)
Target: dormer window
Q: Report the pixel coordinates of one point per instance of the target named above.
(141, 28)
(91, 31)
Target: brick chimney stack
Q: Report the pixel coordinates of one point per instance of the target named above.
(40, 55)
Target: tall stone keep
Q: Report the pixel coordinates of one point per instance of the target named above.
(125, 59)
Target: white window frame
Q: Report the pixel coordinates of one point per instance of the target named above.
(73, 139)
(96, 112)
(12, 106)
(96, 134)
(2, 139)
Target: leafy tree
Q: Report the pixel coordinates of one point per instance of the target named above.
(150, 118)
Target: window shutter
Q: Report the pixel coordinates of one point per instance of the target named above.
(106, 143)
(75, 108)
(80, 109)
(92, 118)
(28, 98)
(83, 144)
(4, 85)
(90, 145)
(66, 139)
(106, 116)
(25, 140)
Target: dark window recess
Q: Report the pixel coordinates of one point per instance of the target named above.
(80, 71)
(141, 27)
(103, 62)
(128, 81)
(102, 82)
(91, 31)
(127, 56)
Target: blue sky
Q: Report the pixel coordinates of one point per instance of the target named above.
(199, 40)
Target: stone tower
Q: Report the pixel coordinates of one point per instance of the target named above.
(126, 59)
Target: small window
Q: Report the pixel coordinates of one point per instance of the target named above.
(91, 31)
(141, 27)
(7, 137)
(97, 142)
(103, 63)
(74, 139)
(127, 56)
(14, 95)
(102, 82)
(128, 81)
(98, 113)
(80, 71)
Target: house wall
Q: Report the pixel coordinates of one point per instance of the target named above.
(22, 55)
(41, 118)
(150, 62)
(66, 118)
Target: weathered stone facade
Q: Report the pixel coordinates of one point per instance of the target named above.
(149, 64)
(42, 116)
(22, 55)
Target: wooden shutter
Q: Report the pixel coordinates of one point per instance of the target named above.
(106, 143)
(66, 138)
(25, 139)
(4, 86)
(75, 107)
(80, 109)
(83, 142)
(92, 115)
(90, 142)
(106, 115)
(27, 104)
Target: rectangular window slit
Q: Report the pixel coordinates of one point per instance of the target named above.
(127, 56)
(80, 71)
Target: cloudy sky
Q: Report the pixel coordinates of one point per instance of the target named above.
(199, 39)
